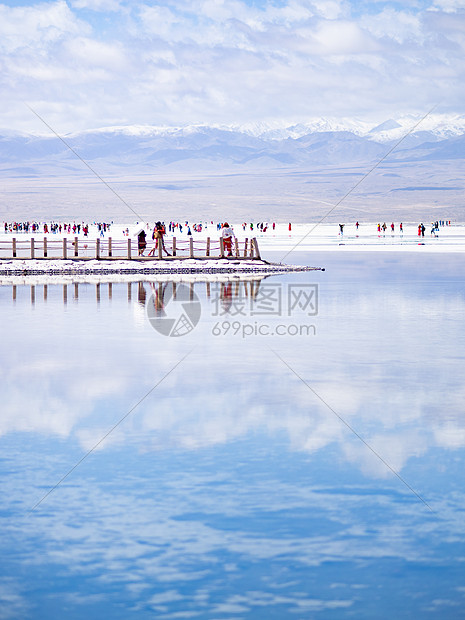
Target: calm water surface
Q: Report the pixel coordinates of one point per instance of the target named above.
(313, 474)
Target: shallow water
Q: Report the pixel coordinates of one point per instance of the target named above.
(315, 471)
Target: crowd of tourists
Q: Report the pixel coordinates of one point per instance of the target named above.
(159, 232)
(381, 229)
(61, 228)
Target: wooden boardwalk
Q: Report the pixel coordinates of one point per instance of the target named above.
(79, 248)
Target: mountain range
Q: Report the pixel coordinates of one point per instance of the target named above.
(261, 146)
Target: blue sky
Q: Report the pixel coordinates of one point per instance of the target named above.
(91, 63)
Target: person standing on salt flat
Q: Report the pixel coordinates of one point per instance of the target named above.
(158, 233)
(227, 234)
(141, 242)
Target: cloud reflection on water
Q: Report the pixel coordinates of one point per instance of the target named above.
(379, 359)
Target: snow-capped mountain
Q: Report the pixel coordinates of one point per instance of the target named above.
(264, 145)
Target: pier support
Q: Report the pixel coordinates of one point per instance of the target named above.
(255, 245)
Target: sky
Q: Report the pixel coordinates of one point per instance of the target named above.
(84, 64)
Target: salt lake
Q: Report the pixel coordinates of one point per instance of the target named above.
(297, 451)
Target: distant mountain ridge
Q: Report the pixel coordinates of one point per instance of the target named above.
(262, 145)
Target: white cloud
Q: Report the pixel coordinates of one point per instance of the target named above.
(97, 5)
(341, 37)
(85, 51)
(397, 25)
(331, 9)
(217, 61)
(449, 6)
(37, 26)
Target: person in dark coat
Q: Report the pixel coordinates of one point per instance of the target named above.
(141, 242)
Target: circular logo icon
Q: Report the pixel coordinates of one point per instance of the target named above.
(173, 309)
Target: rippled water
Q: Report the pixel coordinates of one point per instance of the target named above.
(315, 471)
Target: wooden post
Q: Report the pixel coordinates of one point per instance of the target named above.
(207, 251)
(76, 247)
(129, 292)
(110, 290)
(256, 289)
(191, 291)
(191, 247)
(32, 248)
(174, 246)
(129, 249)
(208, 290)
(45, 292)
(97, 292)
(257, 251)
(221, 247)
(65, 293)
(110, 251)
(76, 290)
(33, 294)
(236, 243)
(97, 248)
(14, 247)
(246, 243)
(14, 292)
(175, 291)
(65, 248)
(45, 247)
(160, 247)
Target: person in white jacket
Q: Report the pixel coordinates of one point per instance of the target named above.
(227, 233)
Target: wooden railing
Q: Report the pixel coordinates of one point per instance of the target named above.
(124, 249)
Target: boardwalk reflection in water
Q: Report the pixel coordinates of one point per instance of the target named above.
(226, 291)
